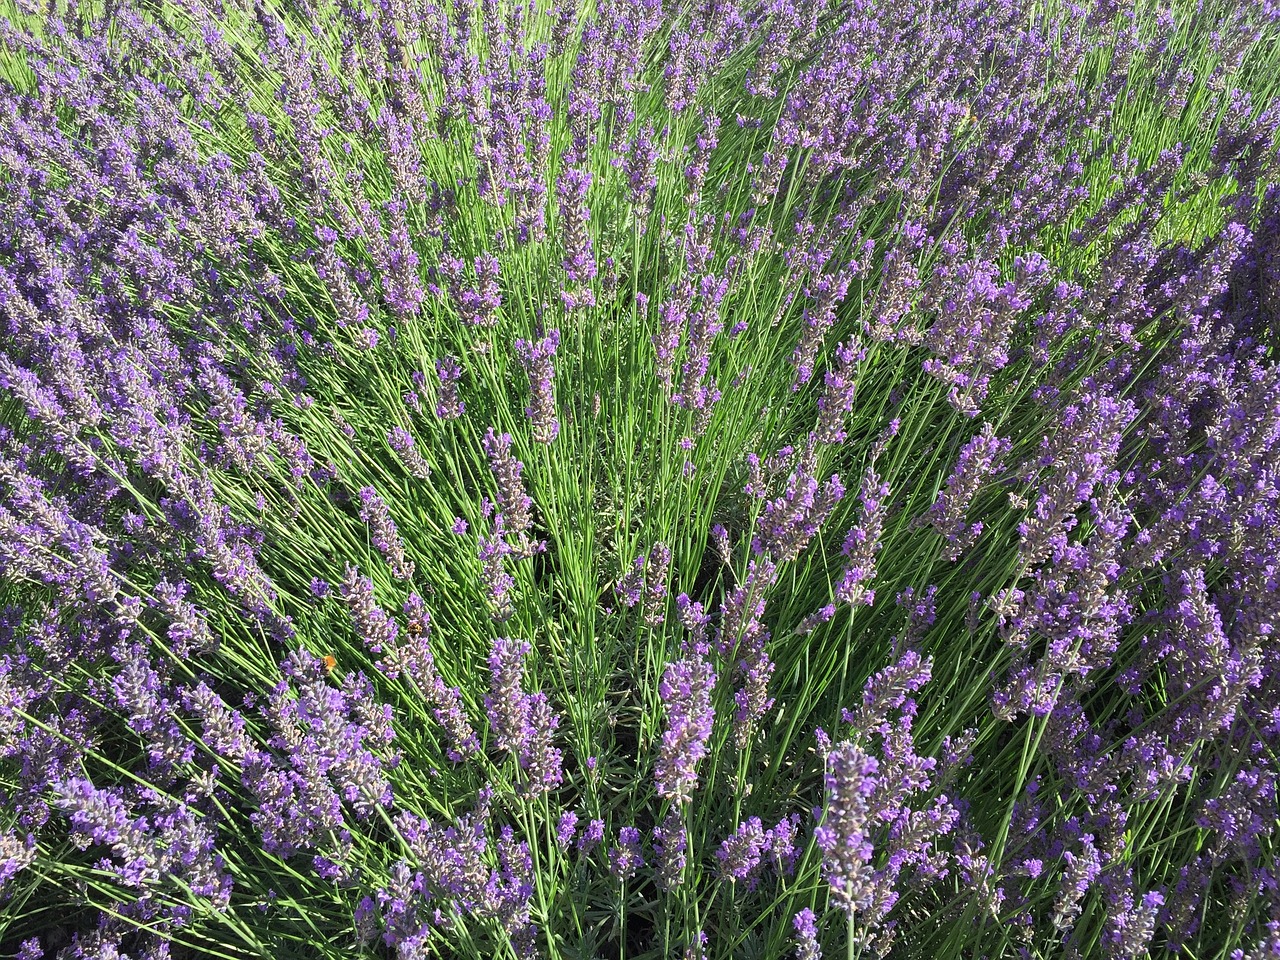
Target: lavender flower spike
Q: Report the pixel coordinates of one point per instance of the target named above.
(513, 504)
(508, 705)
(448, 404)
(625, 859)
(374, 512)
(806, 936)
(979, 458)
(535, 356)
(843, 834)
(862, 542)
(522, 723)
(686, 692)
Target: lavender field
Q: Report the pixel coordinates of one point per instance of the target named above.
(639, 479)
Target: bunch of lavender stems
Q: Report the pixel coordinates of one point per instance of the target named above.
(639, 480)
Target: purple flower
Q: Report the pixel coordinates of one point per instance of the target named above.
(575, 234)
(647, 582)
(402, 443)
(16, 854)
(704, 324)
(1130, 926)
(382, 529)
(741, 855)
(412, 657)
(979, 458)
(188, 629)
(535, 356)
(839, 387)
(566, 826)
(780, 844)
(640, 165)
(862, 542)
(686, 694)
(592, 837)
(1082, 870)
(493, 550)
(448, 405)
(843, 835)
(507, 704)
(868, 831)
(822, 296)
(887, 690)
(513, 504)
(788, 523)
(743, 635)
(374, 628)
(625, 859)
(806, 936)
(477, 305)
(522, 723)
(540, 760)
(669, 847)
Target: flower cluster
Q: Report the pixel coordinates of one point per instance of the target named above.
(522, 723)
(248, 252)
(535, 356)
(868, 831)
(646, 584)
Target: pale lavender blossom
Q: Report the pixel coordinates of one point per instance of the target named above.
(382, 529)
(401, 441)
(669, 846)
(626, 858)
(646, 584)
(787, 523)
(523, 724)
(477, 304)
(535, 357)
(493, 550)
(806, 936)
(979, 458)
(742, 854)
(373, 626)
(16, 854)
(448, 404)
(513, 503)
(685, 690)
(409, 654)
(862, 543)
(840, 386)
(507, 705)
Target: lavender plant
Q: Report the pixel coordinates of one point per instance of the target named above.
(639, 480)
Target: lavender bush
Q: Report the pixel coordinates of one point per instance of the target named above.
(727, 479)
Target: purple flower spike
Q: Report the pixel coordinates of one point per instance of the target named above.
(535, 356)
(863, 542)
(625, 859)
(669, 846)
(522, 723)
(686, 694)
(806, 936)
(514, 505)
(592, 837)
(448, 405)
(741, 855)
(382, 529)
